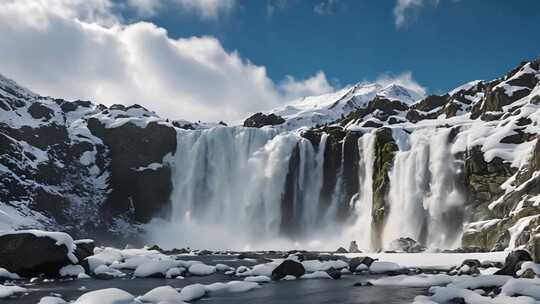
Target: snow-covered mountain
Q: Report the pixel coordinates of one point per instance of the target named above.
(461, 169)
(318, 110)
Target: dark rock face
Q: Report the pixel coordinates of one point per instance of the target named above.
(513, 261)
(132, 147)
(288, 267)
(28, 255)
(385, 149)
(260, 120)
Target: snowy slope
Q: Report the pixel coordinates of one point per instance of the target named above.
(317, 110)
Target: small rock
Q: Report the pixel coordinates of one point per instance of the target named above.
(334, 273)
(341, 250)
(354, 262)
(353, 247)
(528, 274)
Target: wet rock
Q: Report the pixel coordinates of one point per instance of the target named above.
(28, 255)
(353, 247)
(407, 244)
(528, 274)
(512, 263)
(260, 120)
(334, 273)
(288, 267)
(85, 248)
(355, 262)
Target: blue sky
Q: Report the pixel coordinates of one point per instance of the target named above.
(443, 44)
(217, 60)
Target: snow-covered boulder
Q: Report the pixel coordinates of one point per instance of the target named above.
(200, 269)
(34, 252)
(162, 294)
(106, 296)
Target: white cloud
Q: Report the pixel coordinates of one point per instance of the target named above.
(315, 85)
(404, 79)
(206, 9)
(54, 50)
(404, 8)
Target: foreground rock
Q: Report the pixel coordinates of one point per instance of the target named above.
(288, 267)
(512, 263)
(32, 252)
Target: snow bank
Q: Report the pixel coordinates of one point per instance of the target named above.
(316, 275)
(382, 267)
(106, 296)
(193, 292)
(163, 294)
(422, 280)
(71, 270)
(201, 269)
(51, 300)
(525, 287)
(8, 291)
(232, 286)
(258, 279)
(4, 273)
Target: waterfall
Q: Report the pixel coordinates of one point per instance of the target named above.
(241, 188)
(360, 231)
(247, 188)
(424, 201)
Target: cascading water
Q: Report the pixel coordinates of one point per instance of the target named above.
(230, 189)
(360, 231)
(246, 188)
(424, 200)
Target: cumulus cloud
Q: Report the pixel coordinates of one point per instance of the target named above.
(315, 85)
(56, 50)
(404, 8)
(403, 79)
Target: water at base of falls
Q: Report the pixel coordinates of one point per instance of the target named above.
(253, 189)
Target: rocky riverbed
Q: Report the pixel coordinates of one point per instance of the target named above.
(52, 268)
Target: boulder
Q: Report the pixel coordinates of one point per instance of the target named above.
(513, 261)
(407, 244)
(288, 267)
(31, 252)
(341, 250)
(353, 247)
(354, 262)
